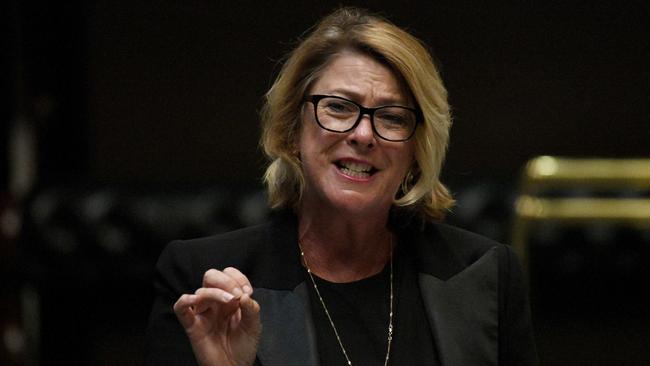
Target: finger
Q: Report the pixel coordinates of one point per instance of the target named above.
(250, 307)
(250, 314)
(219, 279)
(183, 310)
(241, 279)
(222, 302)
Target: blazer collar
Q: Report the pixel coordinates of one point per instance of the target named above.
(460, 296)
(463, 313)
(288, 335)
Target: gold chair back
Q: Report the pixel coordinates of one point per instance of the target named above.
(547, 174)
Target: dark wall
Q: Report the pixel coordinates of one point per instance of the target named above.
(169, 91)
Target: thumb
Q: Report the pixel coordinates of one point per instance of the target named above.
(250, 314)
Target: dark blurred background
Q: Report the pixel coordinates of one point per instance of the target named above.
(128, 124)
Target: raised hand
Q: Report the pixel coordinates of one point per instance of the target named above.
(221, 319)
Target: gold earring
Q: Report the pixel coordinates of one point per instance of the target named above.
(407, 181)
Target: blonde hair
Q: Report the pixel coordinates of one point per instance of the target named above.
(357, 30)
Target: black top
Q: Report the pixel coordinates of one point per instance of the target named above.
(360, 312)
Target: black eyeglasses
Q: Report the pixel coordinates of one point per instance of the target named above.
(390, 122)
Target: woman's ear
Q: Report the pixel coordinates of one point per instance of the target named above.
(415, 169)
(295, 136)
(296, 153)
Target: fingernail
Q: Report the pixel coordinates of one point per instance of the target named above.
(228, 296)
(237, 291)
(247, 289)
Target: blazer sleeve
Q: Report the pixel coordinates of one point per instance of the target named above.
(166, 342)
(516, 341)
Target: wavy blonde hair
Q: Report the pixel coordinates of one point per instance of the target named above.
(359, 31)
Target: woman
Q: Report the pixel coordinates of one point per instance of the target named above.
(352, 269)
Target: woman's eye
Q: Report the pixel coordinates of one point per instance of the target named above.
(338, 107)
(393, 119)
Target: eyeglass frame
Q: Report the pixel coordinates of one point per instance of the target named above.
(315, 98)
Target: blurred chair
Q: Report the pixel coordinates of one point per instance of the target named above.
(87, 257)
(567, 191)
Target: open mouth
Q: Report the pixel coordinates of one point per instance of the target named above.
(355, 169)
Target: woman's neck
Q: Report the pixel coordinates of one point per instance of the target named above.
(344, 249)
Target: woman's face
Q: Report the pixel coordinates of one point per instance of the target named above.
(355, 171)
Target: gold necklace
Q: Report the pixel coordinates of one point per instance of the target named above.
(338, 338)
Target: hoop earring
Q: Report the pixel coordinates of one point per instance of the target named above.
(407, 182)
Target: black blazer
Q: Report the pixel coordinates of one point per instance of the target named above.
(471, 288)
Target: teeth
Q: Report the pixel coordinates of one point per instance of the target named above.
(356, 170)
(361, 168)
(354, 173)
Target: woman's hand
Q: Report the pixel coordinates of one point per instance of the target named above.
(221, 319)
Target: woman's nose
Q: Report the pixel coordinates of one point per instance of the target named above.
(363, 135)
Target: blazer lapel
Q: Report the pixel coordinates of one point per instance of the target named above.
(288, 335)
(463, 312)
